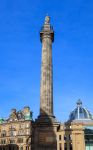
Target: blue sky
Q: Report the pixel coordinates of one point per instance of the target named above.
(20, 54)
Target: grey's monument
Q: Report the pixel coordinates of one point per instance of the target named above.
(45, 126)
(46, 89)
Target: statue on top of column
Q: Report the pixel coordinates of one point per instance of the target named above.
(47, 19)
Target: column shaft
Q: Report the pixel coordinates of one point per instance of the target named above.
(46, 90)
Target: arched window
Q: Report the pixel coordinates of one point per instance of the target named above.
(3, 133)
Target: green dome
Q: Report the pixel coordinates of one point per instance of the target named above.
(1, 120)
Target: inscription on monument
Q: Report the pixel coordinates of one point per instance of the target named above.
(46, 138)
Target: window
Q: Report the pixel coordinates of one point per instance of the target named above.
(22, 126)
(12, 127)
(3, 133)
(65, 137)
(60, 146)
(65, 146)
(20, 140)
(27, 125)
(70, 138)
(12, 141)
(27, 132)
(3, 141)
(21, 132)
(70, 146)
(12, 133)
(59, 137)
(27, 147)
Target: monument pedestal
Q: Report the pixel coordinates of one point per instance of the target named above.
(45, 133)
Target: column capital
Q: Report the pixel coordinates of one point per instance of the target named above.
(47, 30)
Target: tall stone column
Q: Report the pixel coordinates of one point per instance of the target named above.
(46, 89)
(45, 126)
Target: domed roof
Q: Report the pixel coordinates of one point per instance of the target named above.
(80, 113)
(1, 120)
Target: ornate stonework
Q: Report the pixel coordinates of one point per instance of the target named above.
(16, 131)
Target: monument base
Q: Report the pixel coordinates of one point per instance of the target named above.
(45, 129)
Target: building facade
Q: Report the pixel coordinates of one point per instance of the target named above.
(16, 131)
(77, 132)
(20, 132)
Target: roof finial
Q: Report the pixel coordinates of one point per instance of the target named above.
(79, 102)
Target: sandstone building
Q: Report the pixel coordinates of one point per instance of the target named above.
(77, 132)
(20, 132)
(16, 131)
